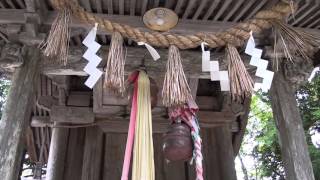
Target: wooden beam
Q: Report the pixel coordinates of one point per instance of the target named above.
(119, 123)
(76, 115)
(191, 62)
(16, 115)
(294, 149)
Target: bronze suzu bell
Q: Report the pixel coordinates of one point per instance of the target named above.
(177, 143)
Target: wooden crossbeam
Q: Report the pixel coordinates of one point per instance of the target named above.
(119, 124)
(191, 62)
(185, 26)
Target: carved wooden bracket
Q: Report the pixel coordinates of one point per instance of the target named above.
(11, 57)
(297, 73)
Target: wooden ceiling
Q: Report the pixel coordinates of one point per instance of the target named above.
(307, 16)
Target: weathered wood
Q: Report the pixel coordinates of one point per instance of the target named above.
(92, 154)
(16, 114)
(158, 158)
(30, 145)
(225, 153)
(118, 123)
(243, 120)
(79, 99)
(207, 119)
(46, 102)
(11, 57)
(193, 84)
(184, 27)
(114, 150)
(74, 159)
(57, 154)
(77, 115)
(191, 61)
(211, 160)
(41, 121)
(293, 143)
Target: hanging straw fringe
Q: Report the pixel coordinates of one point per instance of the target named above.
(114, 76)
(175, 90)
(143, 154)
(293, 42)
(241, 82)
(57, 43)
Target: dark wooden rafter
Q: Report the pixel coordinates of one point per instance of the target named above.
(144, 7)
(222, 9)
(121, 7)
(199, 10)
(97, 5)
(132, 7)
(188, 9)
(256, 8)
(86, 4)
(306, 6)
(211, 9)
(244, 10)
(310, 15)
(233, 10)
(178, 7)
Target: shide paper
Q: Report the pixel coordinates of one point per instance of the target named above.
(213, 68)
(261, 65)
(94, 60)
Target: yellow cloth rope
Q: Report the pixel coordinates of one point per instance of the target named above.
(143, 160)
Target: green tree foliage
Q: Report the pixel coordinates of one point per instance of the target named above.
(308, 98)
(4, 89)
(266, 148)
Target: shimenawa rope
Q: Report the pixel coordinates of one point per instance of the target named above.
(235, 36)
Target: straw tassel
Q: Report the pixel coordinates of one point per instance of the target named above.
(175, 90)
(57, 43)
(294, 42)
(241, 81)
(114, 76)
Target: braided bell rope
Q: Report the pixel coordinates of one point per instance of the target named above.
(235, 36)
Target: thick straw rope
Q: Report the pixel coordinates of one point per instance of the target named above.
(235, 36)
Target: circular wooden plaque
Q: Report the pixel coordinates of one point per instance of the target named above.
(160, 19)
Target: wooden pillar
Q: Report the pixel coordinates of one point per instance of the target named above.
(293, 143)
(16, 115)
(74, 159)
(93, 152)
(58, 147)
(225, 153)
(57, 153)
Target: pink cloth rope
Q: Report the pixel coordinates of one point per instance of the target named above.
(131, 132)
(188, 114)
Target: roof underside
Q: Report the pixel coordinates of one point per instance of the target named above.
(231, 11)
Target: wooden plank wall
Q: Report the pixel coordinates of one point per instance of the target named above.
(97, 156)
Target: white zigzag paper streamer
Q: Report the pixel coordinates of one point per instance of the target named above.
(261, 65)
(90, 55)
(213, 68)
